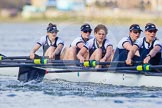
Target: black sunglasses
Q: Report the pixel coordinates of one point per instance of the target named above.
(87, 31)
(53, 31)
(136, 32)
(152, 31)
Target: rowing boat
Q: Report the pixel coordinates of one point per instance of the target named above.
(70, 71)
(124, 78)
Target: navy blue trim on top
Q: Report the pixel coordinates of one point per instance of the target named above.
(79, 42)
(124, 42)
(85, 47)
(39, 43)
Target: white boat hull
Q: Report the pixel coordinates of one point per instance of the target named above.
(113, 78)
(110, 78)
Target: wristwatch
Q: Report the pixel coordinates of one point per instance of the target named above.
(149, 55)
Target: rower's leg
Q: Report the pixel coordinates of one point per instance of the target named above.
(71, 53)
(64, 54)
(97, 55)
(111, 57)
(86, 55)
(50, 51)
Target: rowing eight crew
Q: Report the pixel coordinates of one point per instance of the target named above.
(100, 48)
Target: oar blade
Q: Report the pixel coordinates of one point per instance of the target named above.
(31, 73)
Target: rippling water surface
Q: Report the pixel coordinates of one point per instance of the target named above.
(59, 93)
(18, 39)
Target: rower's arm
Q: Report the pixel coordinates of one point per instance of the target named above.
(54, 51)
(154, 51)
(131, 54)
(108, 54)
(151, 54)
(35, 48)
(81, 53)
(128, 47)
(80, 45)
(58, 49)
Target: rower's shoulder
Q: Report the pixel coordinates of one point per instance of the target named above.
(59, 40)
(125, 38)
(43, 38)
(78, 38)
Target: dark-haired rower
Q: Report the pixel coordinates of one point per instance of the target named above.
(52, 45)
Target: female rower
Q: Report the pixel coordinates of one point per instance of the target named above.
(99, 48)
(52, 45)
(78, 42)
(149, 47)
(126, 43)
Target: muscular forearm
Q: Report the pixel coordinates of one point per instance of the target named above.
(154, 51)
(36, 47)
(58, 50)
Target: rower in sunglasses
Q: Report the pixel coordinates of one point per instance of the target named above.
(78, 43)
(149, 47)
(52, 45)
(126, 43)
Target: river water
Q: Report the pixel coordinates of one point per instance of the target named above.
(18, 39)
